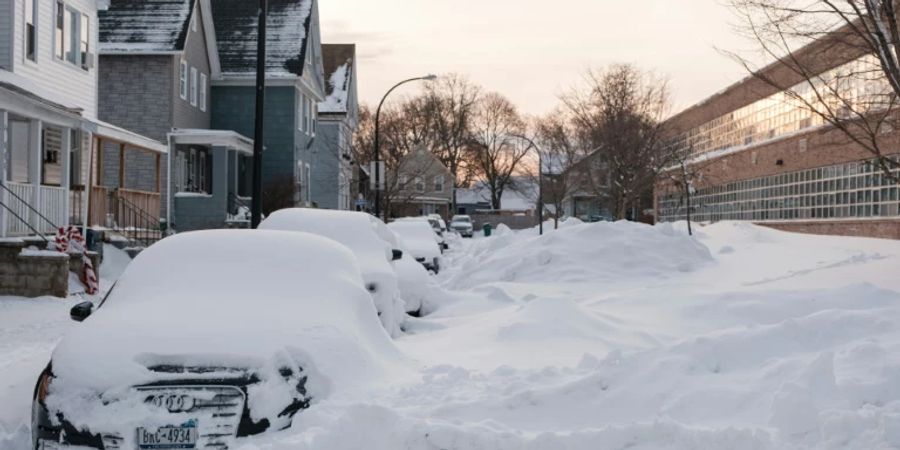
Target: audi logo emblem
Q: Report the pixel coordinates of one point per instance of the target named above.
(172, 402)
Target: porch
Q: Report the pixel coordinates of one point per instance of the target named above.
(123, 190)
(209, 179)
(37, 141)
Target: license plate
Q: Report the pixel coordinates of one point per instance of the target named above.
(167, 437)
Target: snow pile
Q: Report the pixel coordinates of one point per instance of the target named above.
(336, 101)
(602, 252)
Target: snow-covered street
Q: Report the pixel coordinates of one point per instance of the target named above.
(606, 335)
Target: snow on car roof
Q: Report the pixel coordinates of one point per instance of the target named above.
(234, 298)
(417, 236)
(353, 229)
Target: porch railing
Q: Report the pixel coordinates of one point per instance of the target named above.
(27, 217)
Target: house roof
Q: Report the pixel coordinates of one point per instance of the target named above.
(144, 26)
(286, 33)
(338, 60)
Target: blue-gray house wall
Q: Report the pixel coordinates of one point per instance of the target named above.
(327, 163)
(233, 108)
(205, 211)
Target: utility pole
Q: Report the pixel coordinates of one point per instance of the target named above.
(258, 135)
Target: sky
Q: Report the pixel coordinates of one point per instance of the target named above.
(532, 51)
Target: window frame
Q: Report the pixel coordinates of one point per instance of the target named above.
(203, 91)
(194, 80)
(183, 80)
(439, 187)
(31, 35)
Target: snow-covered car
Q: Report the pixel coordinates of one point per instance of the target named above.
(208, 337)
(418, 238)
(440, 221)
(462, 224)
(358, 232)
(412, 278)
(435, 227)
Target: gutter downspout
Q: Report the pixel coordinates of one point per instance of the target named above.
(169, 183)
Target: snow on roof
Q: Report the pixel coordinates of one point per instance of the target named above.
(236, 34)
(522, 197)
(338, 61)
(144, 26)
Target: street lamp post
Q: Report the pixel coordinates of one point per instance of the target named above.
(377, 149)
(540, 181)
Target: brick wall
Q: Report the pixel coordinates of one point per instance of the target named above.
(885, 229)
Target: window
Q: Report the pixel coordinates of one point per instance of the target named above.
(309, 116)
(196, 170)
(314, 107)
(31, 29)
(308, 183)
(183, 80)
(301, 112)
(420, 184)
(439, 183)
(193, 86)
(71, 36)
(59, 33)
(202, 92)
(84, 43)
(305, 117)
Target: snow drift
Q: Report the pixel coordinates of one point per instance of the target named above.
(601, 252)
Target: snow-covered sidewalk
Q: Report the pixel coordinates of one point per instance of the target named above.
(609, 335)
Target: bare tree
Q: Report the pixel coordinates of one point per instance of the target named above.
(450, 105)
(619, 113)
(560, 153)
(838, 60)
(497, 153)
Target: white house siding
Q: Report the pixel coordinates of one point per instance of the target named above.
(6, 30)
(56, 80)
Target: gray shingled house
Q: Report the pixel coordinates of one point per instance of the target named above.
(157, 61)
(294, 87)
(338, 118)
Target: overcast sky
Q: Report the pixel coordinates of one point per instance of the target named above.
(533, 50)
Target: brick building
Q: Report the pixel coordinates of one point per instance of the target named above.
(758, 156)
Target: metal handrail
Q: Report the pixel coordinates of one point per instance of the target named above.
(27, 205)
(8, 208)
(146, 228)
(234, 202)
(145, 215)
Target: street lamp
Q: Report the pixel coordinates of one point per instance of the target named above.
(540, 180)
(377, 150)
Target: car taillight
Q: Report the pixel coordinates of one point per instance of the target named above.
(44, 385)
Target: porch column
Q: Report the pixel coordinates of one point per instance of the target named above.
(89, 183)
(35, 152)
(65, 182)
(4, 116)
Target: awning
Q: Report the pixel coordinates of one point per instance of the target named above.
(219, 138)
(113, 132)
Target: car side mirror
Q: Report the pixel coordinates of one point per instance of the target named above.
(81, 311)
(444, 246)
(396, 255)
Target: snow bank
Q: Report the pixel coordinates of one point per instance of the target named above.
(598, 252)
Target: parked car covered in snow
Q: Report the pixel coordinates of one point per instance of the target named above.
(463, 225)
(418, 237)
(358, 232)
(435, 227)
(208, 337)
(412, 278)
(439, 220)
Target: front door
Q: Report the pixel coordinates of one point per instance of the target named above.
(17, 161)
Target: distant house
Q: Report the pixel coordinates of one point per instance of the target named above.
(420, 184)
(332, 177)
(157, 60)
(51, 128)
(295, 87)
(518, 199)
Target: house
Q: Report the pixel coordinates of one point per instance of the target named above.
(338, 117)
(295, 85)
(419, 185)
(518, 198)
(50, 121)
(157, 61)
